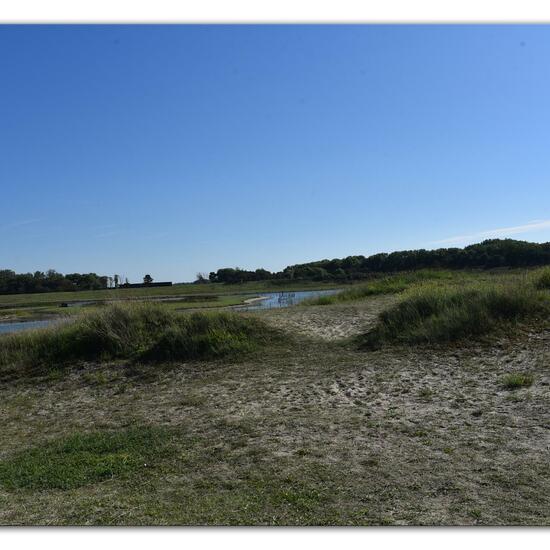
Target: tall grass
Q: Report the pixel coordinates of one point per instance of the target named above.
(143, 331)
(392, 284)
(431, 313)
(541, 278)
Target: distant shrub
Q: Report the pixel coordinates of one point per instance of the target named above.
(542, 278)
(442, 314)
(517, 380)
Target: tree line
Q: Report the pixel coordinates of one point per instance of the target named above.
(491, 253)
(49, 281)
(52, 281)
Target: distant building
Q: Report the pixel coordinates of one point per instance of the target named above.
(145, 285)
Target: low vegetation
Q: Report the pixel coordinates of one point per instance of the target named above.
(84, 459)
(386, 285)
(430, 313)
(142, 331)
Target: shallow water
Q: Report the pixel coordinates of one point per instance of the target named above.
(6, 328)
(274, 300)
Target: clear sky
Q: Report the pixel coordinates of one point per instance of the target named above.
(175, 149)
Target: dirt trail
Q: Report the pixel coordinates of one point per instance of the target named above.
(329, 322)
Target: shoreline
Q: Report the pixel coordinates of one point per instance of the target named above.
(254, 300)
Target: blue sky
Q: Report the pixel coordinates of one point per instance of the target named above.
(175, 149)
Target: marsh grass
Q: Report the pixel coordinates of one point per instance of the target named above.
(143, 332)
(85, 458)
(430, 313)
(386, 285)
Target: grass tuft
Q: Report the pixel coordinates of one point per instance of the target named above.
(517, 380)
(431, 314)
(208, 336)
(145, 331)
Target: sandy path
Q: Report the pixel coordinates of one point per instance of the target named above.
(329, 323)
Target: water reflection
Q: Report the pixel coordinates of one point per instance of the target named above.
(273, 300)
(6, 328)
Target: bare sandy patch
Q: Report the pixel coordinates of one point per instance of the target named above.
(333, 322)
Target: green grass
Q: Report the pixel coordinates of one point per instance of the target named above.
(392, 284)
(84, 459)
(208, 480)
(431, 313)
(542, 278)
(141, 331)
(517, 380)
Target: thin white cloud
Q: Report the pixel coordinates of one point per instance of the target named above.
(20, 223)
(108, 226)
(157, 235)
(107, 234)
(534, 225)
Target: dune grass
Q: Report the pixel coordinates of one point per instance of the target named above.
(431, 313)
(142, 331)
(83, 459)
(392, 284)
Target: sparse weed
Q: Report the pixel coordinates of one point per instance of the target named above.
(426, 393)
(517, 380)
